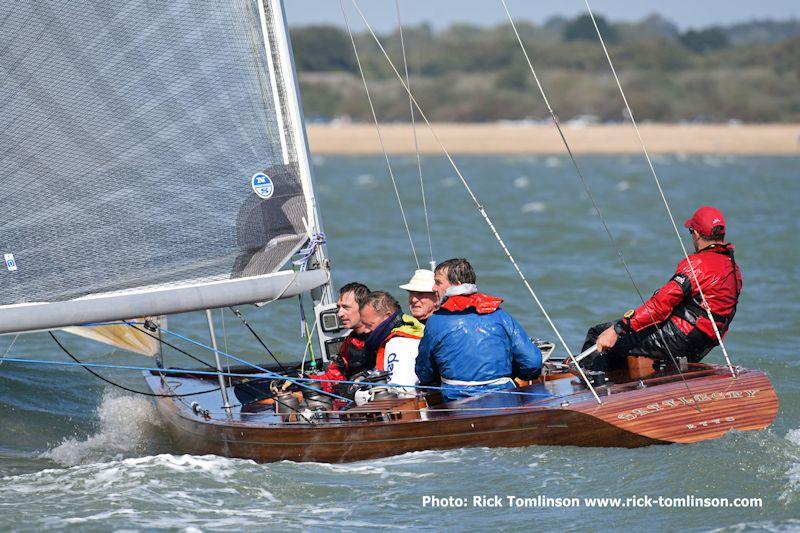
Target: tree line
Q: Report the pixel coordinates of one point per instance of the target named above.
(747, 72)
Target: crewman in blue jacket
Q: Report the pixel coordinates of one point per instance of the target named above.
(470, 345)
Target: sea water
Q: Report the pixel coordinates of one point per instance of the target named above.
(77, 453)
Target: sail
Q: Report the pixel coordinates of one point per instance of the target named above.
(146, 147)
(122, 336)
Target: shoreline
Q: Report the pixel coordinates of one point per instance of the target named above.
(514, 139)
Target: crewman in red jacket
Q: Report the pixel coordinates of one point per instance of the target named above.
(353, 356)
(674, 322)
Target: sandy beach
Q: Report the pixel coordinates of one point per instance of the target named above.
(509, 138)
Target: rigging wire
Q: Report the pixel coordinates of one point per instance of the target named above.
(247, 325)
(661, 192)
(480, 207)
(87, 367)
(162, 341)
(277, 377)
(416, 140)
(588, 190)
(5, 354)
(380, 135)
(269, 373)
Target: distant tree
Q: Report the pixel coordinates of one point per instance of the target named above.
(514, 77)
(703, 41)
(582, 29)
(786, 56)
(322, 48)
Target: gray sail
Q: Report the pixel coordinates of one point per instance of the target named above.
(146, 145)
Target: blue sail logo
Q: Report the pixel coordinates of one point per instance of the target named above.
(262, 185)
(11, 263)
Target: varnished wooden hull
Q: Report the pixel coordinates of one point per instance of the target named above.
(706, 406)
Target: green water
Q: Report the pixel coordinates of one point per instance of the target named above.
(77, 454)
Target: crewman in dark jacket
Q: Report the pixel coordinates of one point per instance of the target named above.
(352, 357)
(674, 322)
(470, 345)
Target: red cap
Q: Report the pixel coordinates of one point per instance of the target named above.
(705, 219)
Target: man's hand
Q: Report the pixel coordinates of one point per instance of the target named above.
(607, 339)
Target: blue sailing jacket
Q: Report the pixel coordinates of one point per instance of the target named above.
(471, 339)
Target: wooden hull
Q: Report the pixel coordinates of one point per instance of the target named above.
(667, 410)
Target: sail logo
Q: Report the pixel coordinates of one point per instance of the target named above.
(262, 185)
(11, 264)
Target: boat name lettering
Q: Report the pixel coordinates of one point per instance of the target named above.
(706, 423)
(686, 400)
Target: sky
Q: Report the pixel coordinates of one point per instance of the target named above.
(442, 13)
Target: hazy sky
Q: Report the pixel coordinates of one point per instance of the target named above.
(440, 13)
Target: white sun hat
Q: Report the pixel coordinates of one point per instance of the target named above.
(421, 281)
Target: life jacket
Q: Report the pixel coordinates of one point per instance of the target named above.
(355, 356)
(480, 302)
(690, 309)
(410, 328)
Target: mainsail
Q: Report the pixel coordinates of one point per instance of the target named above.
(152, 159)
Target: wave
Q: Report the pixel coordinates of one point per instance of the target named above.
(128, 425)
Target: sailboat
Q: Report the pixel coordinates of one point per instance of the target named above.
(154, 161)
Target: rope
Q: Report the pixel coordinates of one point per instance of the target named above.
(86, 366)
(310, 348)
(588, 190)
(480, 208)
(255, 366)
(316, 240)
(238, 374)
(661, 192)
(380, 135)
(414, 130)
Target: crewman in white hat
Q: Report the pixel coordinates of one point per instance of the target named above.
(422, 300)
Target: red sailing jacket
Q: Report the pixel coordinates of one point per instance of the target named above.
(339, 367)
(714, 267)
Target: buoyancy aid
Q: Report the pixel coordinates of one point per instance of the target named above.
(355, 355)
(350, 360)
(482, 303)
(410, 328)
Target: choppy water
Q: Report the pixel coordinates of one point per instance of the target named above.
(75, 453)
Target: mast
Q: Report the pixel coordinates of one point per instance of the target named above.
(323, 295)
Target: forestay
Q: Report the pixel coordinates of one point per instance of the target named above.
(148, 148)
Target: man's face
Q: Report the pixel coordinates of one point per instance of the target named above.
(695, 240)
(370, 318)
(347, 309)
(422, 304)
(440, 283)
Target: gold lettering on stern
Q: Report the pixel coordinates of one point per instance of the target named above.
(682, 401)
